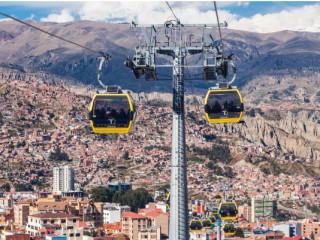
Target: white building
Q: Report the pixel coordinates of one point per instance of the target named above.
(112, 212)
(205, 234)
(289, 229)
(53, 222)
(63, 179)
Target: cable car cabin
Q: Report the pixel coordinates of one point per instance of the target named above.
(111, 113)
(228, 211)
(206, 223)
(213, 219)
(168, 201)
(217, 197)
(229, 229)
(195, 226)
(223, 106)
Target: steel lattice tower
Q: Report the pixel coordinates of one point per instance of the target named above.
(178, 228)
(143, 63)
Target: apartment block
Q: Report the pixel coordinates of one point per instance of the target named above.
(53, 222)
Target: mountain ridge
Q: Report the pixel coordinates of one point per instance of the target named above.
(273, 54)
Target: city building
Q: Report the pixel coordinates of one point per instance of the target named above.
(52, 222)
(203, 235)
(309, 228)
(6, 202)
(21, 213)
(56, 237)
(289, 229)
(132, 223)
(245, 212)
(63, 179)
(263, 207)
(112, 212)
(14, 235)
(261, 234)
(159, 219)
(120, 185)
(151, 233)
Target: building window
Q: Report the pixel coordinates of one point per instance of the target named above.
(63, 221)
(71, 235)
(70, 227)
(74, 220)
(78, 235)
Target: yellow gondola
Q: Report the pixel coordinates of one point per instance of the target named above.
(217, 197)
(229, 229)
(168, 201)
(195, 226)
(228, 211)
(206, 223)
(223, 105)
(111, 113)
(213, 219)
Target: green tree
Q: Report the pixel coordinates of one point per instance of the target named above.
(210, 165)
(21, 187)
(58, 155)
(239, 232)
(102, 194)
(5, 187)
(134, 198)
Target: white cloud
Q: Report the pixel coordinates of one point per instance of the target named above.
(64, 16)
(306, 18)
(245, 4)
(151, 12)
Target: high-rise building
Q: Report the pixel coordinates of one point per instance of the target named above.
(263, 207)
(63, 179)
(245, 212)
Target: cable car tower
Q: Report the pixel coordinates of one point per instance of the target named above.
(213, 63)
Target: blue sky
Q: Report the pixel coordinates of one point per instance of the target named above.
(259, 16)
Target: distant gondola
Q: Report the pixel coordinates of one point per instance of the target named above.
(111, 113)
(213, 219)
(229, 229)
(206, 223)
(217, 197)
(228, 211)
(168, 201)
(195, 226)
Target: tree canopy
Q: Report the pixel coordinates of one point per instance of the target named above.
(134, 198)
(58, 155)
(239, 232)
(102, 194)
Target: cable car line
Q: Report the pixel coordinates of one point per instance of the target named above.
(105, 55)
(178, 21)
(216, 10)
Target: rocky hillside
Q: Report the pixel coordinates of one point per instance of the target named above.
(295, 131)
(277, 72)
